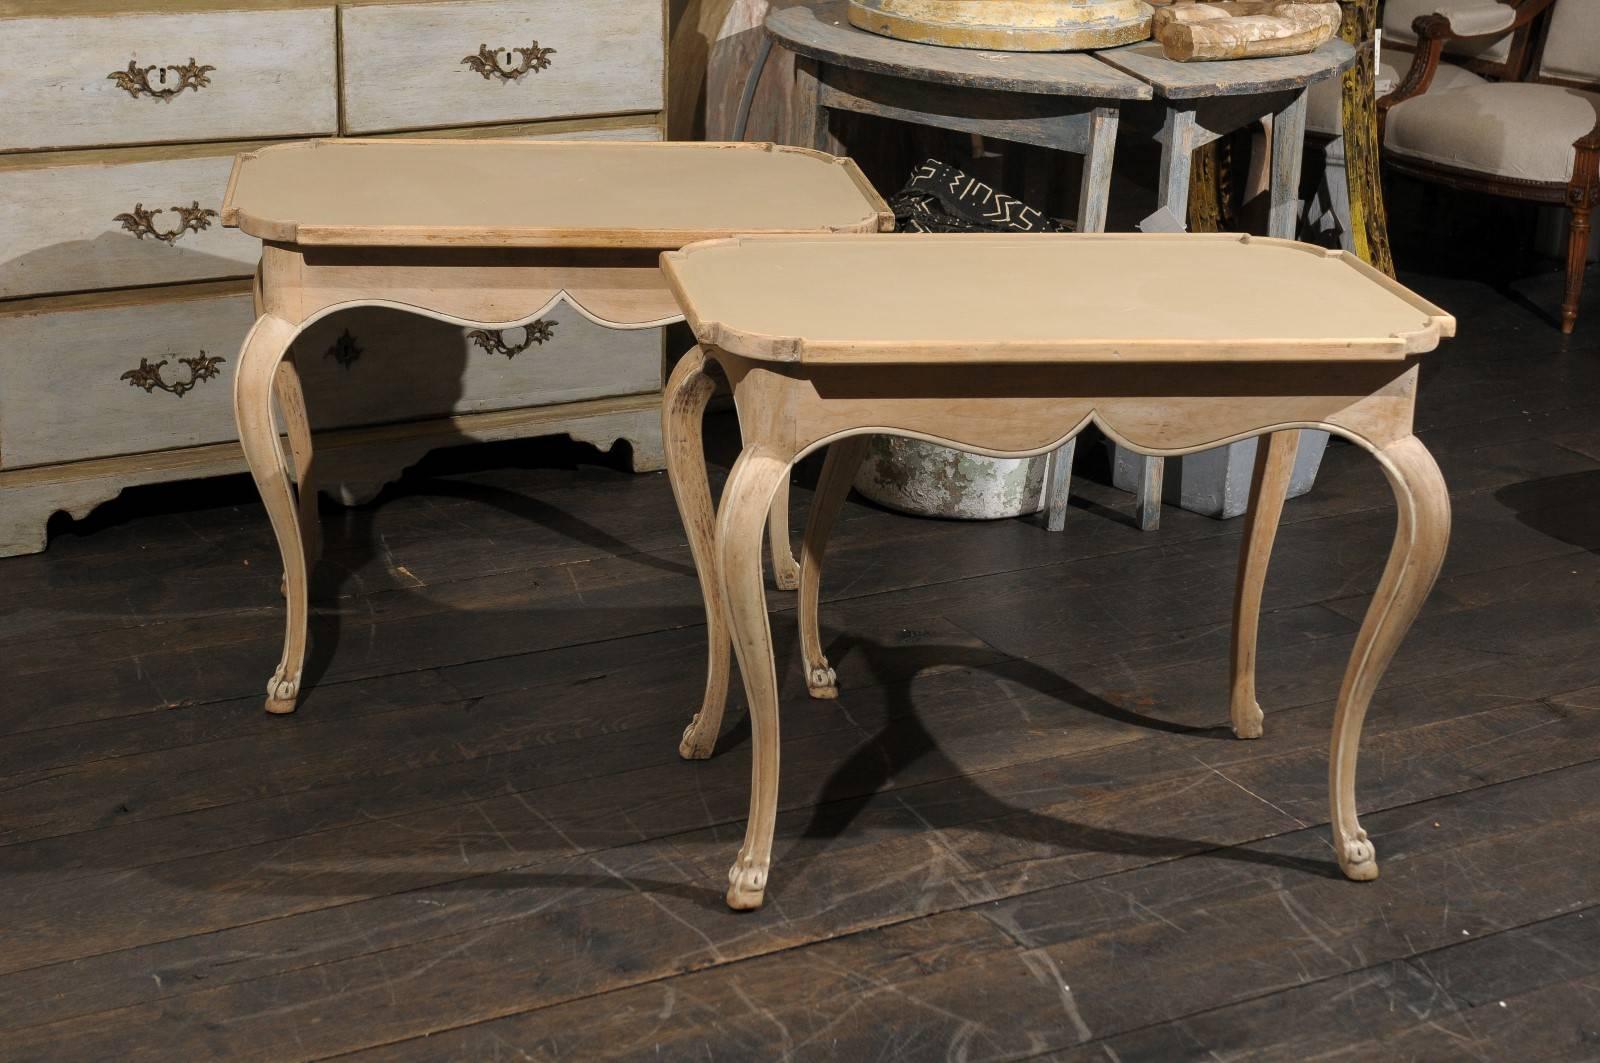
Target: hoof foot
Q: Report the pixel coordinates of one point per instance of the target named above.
(822, 682)
(1247, 721)
(1359, 860)
(282, 694)
(787, 579)
(695, 745)
(747, 886)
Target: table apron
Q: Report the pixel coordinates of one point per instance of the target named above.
(1061, 122)
(1214, 117)
(619, 289)
(1017, 410)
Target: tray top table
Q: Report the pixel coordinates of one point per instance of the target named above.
(488, 234)
(1008, 346)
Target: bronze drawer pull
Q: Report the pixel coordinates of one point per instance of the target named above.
(494, 340)
(148, 376)
(135, 80)
(142, 223)
(532, 59)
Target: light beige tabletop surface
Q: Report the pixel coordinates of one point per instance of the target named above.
(1123, 297)
(534, 194)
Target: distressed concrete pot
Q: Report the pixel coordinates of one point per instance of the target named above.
(1216, 483)
(928, 480)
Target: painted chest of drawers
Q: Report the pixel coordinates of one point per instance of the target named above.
(123, 301)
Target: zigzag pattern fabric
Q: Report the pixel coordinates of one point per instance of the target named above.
(942, 199)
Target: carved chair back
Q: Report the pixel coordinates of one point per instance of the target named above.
(1507, 58)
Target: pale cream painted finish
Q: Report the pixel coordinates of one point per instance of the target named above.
(275, 76)
(494, 278)
(518, 194)
(403, 70)
(795, 395)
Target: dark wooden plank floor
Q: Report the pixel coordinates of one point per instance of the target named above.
(1022, 831)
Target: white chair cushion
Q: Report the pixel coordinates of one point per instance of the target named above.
(1507, 130)
(1323, 101)
(1466, 16)
(1572, 49)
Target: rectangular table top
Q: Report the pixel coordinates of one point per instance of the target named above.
(1046, 298)
(508, 193)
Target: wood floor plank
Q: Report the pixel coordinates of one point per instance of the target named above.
(1090, 959)
(994, 847)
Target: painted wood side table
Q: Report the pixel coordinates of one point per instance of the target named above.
(1188, 358)
(491, 235)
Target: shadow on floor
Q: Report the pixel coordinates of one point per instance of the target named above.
(1565, 507)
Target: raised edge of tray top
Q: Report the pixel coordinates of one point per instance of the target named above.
(1106, 298)
(518, 193)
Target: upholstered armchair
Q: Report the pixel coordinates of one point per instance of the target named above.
(1534, 135)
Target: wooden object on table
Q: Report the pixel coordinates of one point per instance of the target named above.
(888, 344)
(1190, 30)
(490, 236)
(122, 295)
(1535, 139)
(1203, 102)
(1007, 25)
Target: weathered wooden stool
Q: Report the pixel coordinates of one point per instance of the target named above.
(1220, 338)
(489, 234)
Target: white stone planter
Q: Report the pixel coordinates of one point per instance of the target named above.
(928, 480)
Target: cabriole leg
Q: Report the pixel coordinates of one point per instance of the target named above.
(785, 569)
(838, 472)
(263, 351)
(739, 526)
(292, 404)
(682, 417)
(1269, 486)
(1421, 533)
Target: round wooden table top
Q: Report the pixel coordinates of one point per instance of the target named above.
(1116, 298)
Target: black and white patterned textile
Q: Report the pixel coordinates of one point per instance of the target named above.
(941, 199)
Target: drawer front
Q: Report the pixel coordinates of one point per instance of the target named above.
(371, 366)
(132, 79)
(410, 66)
(78, 384)
(87, 227)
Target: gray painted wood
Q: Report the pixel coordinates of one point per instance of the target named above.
(1288, 141)
(1094, 196)
(1187, 81)
(1058, 485)
(820, 31)
(1047, 121)
(1151, 474)
(402, 64)
(1177, 140)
